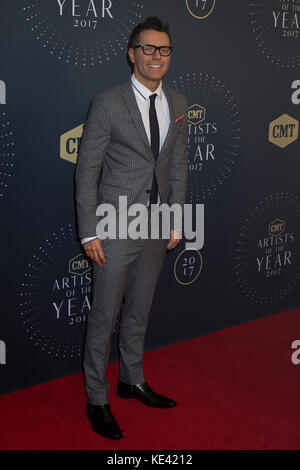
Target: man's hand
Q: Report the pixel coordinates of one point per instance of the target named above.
(174, 240)
(93, 250)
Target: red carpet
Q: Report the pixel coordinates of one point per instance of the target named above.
(236, 389)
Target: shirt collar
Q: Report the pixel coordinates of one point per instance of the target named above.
(143, 90)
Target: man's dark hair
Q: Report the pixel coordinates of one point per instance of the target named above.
(152, 22)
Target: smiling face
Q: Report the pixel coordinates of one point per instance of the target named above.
(150, 69)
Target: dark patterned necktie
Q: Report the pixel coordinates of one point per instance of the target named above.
(154, 133)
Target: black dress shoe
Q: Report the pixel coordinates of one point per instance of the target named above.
(103, 422)
(144, 393)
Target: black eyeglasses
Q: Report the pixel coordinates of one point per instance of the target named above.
(149, 49)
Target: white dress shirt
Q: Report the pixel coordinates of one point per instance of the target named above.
(163, 116)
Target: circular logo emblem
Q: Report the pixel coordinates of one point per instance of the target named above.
(267, 257)
(82, 32)
(188, 266)
(213, 130)
(54, 295)
(275, 24)
(200, 9)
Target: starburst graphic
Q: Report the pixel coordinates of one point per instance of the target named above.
(267, 263)
(276, 29)
(53, 300)
(7, 153)
(83, 33)
(214, 143)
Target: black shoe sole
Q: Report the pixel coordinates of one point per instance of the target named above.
(108, 436)
(128, 395)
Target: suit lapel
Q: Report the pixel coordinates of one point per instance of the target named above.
(130, 100)
(133, 109)
(172, 119)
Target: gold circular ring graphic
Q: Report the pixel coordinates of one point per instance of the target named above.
(201, 261)
(200, 17)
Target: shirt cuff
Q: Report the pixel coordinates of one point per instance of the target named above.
(87, 239)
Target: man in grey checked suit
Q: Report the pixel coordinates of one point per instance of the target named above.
(134, 145)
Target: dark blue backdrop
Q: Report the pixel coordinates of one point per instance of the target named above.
(238, 63)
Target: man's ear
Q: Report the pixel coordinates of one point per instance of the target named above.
(131, 55)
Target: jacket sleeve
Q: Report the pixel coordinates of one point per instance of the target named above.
(178, 168)
(94, 142)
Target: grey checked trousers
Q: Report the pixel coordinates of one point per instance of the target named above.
(131, 271)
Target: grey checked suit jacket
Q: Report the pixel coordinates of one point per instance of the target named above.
(115, 157)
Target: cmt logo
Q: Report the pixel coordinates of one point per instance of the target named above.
(283, 130)
(195, 114)
(2, 92)
(276, 228)
(69, 144)
(79, 265)
(2, 352)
